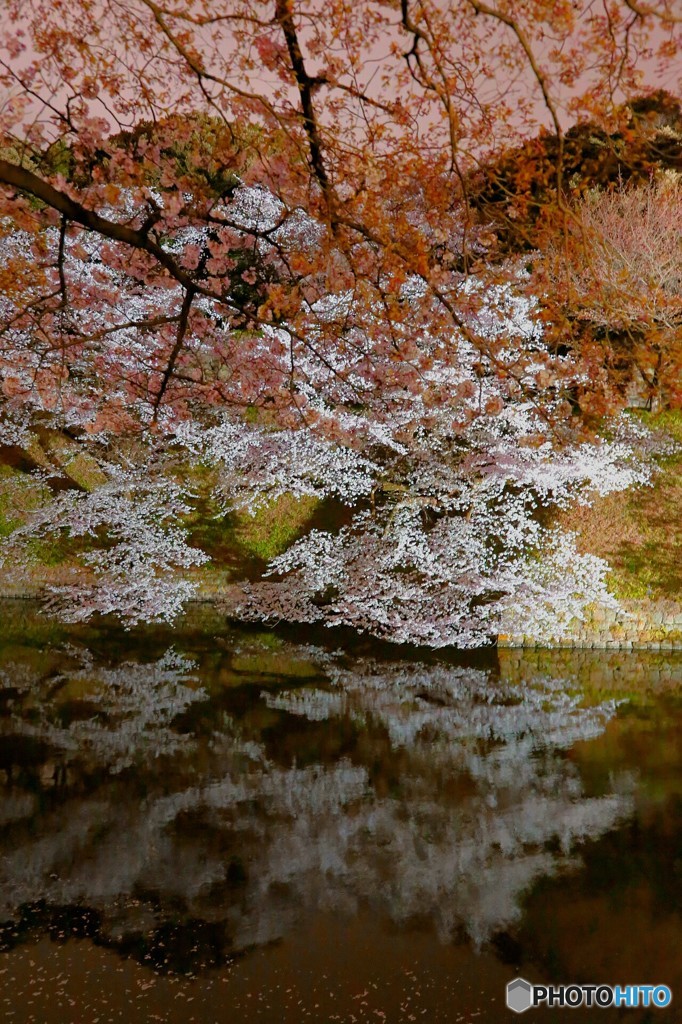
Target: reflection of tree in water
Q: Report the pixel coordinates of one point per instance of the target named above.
(450, 798)
(108, 716)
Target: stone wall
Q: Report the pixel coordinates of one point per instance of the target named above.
(640, 625)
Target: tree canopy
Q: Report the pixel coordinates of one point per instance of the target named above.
(242, 230)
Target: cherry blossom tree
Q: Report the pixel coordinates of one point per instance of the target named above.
(244, 231)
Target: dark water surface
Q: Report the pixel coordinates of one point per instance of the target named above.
(219, 825)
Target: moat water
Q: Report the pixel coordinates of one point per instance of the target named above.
(226, 825)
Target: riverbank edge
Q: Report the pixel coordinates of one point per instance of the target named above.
(645, 625)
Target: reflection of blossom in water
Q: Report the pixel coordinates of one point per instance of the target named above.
(453, 800)
(467, 862)
(131, 707)
(454, 703)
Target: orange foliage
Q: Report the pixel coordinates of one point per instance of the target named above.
(371, 117)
